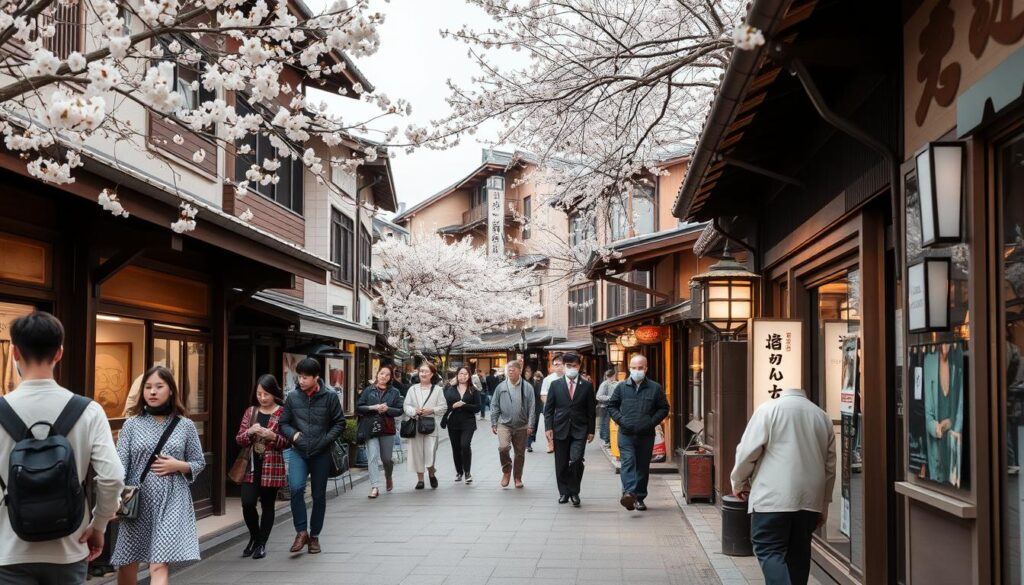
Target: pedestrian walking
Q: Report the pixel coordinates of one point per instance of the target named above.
(266, 475)
(556, 373)
(424, 400)
(378, 406)
(604, 394)
(37, 343)
(538, 378)
(786, 469)
(161, 453)
(570, 414)
(638, 405)
(512, 416)
(463, 401)
(490, 382)
(312, 419)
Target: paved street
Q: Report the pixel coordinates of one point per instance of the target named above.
(483, 534)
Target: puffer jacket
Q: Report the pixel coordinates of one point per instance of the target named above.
(319, 418)
(638, 411)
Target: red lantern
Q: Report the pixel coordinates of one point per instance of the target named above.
(648, 334)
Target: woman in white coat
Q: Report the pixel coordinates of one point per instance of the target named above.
(425, 399)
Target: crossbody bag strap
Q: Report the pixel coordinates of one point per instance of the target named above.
(160, 445)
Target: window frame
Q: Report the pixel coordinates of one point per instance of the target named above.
(341, 254)
(583, 317)
(291, 170)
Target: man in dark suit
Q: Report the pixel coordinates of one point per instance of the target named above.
(569, 415)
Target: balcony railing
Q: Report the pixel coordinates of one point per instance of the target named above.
(68, 22)
(479, 213)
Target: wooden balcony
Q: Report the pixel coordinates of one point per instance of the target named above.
(478, 214)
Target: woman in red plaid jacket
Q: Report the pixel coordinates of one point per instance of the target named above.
(266, 473)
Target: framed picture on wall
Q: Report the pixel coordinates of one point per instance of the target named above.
(113, 376)
(289, 379)
(937, 425)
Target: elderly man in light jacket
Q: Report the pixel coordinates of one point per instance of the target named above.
(785, 469)
(512, 413)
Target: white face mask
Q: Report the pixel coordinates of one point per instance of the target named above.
(637, 375)
(572, 372)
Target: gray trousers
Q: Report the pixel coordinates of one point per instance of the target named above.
(44, 574)
(379, 450)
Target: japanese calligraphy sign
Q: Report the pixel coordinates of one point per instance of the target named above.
(776, 350)
(495, 222)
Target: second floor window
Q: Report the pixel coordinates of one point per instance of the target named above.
(365, 262)
(623, 300)
(527, 215)
(580, 229)
(288, 191)
(632, 215)
(342, 235)
(582, 306)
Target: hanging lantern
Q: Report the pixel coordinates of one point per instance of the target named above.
(648, 334)
(941, 187)
(615, 353)
(727, 295)
(628, 339)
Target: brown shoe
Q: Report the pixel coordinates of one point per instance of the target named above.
(314, 545)
(519, 484)
(301, 540)
(505, 478)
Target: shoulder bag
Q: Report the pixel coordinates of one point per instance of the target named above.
(425, 424)
(130, 495)
(243, 462)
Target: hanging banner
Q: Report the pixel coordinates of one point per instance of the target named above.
(495, 218)
(776, 353)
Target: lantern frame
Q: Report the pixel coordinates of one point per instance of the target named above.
(614, 349)
(729, 276)
(942, 280)
(932, 209)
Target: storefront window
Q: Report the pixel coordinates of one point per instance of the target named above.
(838, 392)
(9, 378)
(186, 355)
(1010, 182)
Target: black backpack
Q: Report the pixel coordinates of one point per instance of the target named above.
(45, 498)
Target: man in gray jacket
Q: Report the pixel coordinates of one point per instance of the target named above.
(512, 412)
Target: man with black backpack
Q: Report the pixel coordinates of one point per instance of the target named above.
(49, 439)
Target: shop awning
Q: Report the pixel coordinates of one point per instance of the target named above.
(577, 346)
(656, 314)
(510, 340)
(999, 90)
(311, 321)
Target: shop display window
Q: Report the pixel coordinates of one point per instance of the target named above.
(9, 378)
(120, 363)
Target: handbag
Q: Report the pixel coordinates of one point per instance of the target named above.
(370, 425)
(128, 509)
(339, 458)
(408, 429)
(243, 462)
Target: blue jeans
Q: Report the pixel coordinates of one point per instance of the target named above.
(485, 401)
(635, 456)
(606, 433)
(782, 543)
(316, 468)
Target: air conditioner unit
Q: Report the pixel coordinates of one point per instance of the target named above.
(339, 310)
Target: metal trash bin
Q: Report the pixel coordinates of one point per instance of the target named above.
(735, 528)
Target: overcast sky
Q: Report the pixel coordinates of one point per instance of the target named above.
(413, 63)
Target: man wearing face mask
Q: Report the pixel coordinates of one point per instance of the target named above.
(638, 405)
(569, 417)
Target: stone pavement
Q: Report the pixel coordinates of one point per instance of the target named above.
(481, 534)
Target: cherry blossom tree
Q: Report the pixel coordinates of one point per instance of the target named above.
(436, 294)
(56, 103)
(608, 88)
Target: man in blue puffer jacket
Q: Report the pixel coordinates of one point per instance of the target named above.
(638, 405)
(312, 420)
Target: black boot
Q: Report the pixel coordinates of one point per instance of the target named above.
(249, 547)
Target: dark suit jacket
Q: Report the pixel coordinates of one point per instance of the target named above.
(574, 418)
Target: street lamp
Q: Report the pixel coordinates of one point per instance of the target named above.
(941, 187)
(727, 295)
(615, 353)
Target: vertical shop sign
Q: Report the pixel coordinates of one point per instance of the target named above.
(776, 350)
(496, 216)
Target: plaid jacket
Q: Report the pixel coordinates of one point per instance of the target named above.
(273, 460)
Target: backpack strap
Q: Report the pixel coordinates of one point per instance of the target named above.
(11, 422)
(70, 415)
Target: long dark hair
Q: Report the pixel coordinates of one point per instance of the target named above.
(270, 385)
(177, 406)
(469, 382)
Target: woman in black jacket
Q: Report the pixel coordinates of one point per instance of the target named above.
(378, 406)
(463, 404)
